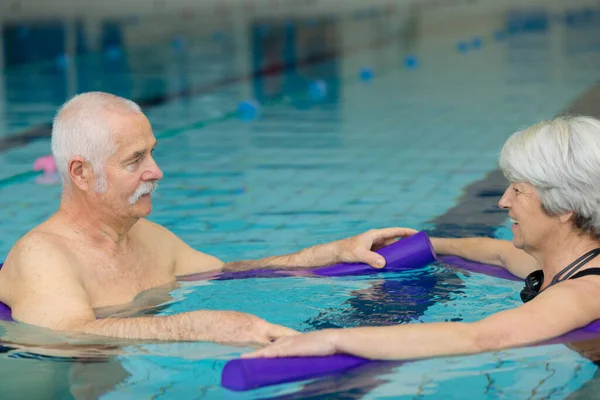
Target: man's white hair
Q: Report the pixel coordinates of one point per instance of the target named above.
(80, 128)
(561, 159)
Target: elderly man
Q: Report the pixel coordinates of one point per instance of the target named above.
(99, 250)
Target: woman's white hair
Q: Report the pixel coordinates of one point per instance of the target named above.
(80, 128)
(561, 159)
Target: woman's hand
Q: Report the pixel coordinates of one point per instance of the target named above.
(319, 343)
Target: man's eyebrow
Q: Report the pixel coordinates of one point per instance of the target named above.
(140, 153)
(136, 154)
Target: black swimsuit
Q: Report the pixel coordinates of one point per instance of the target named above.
(534, 280)
(591, 271)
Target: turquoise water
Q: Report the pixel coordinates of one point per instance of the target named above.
(397, 150)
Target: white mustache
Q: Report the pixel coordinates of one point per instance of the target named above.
(143, 189)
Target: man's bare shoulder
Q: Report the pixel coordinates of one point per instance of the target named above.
(36, 261)
(156, 233)
(186, 259)
(41, 284)
(144, 223)
(37, 247)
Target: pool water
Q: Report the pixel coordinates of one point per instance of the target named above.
(415, 146)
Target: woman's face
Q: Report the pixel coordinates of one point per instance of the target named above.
(531, 226)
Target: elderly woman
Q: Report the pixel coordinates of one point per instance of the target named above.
(553, 202)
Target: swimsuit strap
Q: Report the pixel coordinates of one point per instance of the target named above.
(591, 271)
(575, 266)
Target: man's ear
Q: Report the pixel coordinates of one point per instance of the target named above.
(81, 173)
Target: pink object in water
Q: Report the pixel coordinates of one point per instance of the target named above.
(50, 175)
(45, 163)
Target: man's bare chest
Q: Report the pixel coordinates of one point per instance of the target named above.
(117, 279)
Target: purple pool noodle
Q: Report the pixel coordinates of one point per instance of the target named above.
(588, 332)
(246, 374)
(592, 327)
(259, 273)
(228, 275)
(251, 373)
(412, 252)
(486, 269)
(5, 313)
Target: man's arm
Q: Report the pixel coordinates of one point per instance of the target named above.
(48, 293)
(489, 251)
(357, 249)
(354, 249)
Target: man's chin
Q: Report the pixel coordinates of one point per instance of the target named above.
(142, 212)
(143, 205)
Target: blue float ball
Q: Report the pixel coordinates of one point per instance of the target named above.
(113, 52)
(62, 61)
(366, 74)
(411, 61)
(462, 46)
(248, 110)
(476, 42)
(317, 90)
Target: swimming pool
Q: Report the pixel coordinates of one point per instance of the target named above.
(413, 147)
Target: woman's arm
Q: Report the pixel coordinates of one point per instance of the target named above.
(488, 251)
(557, 310)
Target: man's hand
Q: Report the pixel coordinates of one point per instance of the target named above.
(361, 248)
(242, 329)
(355, 249)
